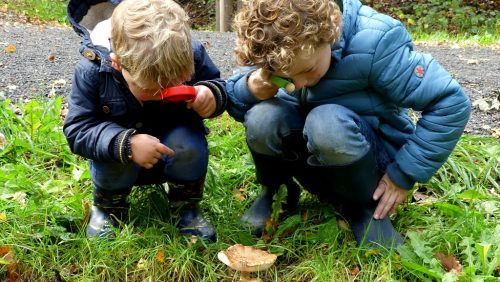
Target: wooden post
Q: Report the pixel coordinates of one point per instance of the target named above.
(224, 13)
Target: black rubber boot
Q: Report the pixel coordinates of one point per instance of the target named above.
(271, 173)
(184, 199)
(351, 187)
(108, 209)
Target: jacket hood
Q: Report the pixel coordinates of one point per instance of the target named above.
(84, 15)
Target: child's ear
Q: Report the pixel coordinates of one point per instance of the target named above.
(115, 62)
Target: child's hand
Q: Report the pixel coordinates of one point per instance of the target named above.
(147, 150)
(260, 84)
(204, 103)
(390, 195)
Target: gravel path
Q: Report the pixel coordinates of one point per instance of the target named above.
(44, 58)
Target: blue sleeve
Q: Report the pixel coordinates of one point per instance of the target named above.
(240, 97)
(414, 80)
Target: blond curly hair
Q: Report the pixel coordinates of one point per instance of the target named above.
(152, 40)
(270, 33)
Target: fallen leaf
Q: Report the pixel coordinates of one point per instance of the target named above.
(304, 215)
(4, 250)
(86, 212)
(343, 224)
(482, 104)
(141, 264)
(473, 62)
(20, 197)
(10, 48)
(449, 262)
(64, 111)
(7, 256)
(160, 256)
(238, 195)
(3, 217)
(354, 271)
(494, 193)
(2, 140)
(51, 58)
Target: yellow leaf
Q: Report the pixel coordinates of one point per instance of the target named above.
(3, 217)
(11, 48)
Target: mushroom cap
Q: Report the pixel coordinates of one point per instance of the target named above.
(246, 258)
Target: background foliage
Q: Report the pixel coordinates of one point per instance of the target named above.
(452, 16)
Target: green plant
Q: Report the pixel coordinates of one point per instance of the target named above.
(46, 192)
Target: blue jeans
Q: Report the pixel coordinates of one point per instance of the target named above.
(189, 163)
(333, 134)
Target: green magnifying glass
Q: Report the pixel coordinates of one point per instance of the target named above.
(283, 83)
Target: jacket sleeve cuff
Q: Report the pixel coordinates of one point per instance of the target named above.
(399, 177)
(120, 148)
(219, 93)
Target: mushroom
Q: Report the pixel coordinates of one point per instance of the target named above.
(246, 259)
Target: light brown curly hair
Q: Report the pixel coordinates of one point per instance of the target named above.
(270, 33)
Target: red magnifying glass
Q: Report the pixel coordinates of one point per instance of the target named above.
(178, 94)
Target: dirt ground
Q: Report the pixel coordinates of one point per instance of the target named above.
(39, 60)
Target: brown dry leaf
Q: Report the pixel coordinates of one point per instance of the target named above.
(354, 271)
(12, 272)
(423, 194)
(2, 140)
(4, 250)
(343, 224)
(304, 215)
(160, 256)
(238, 195)
(51, 58)
(8, 255)
(449, 262)
(86, 212)
(10, 48)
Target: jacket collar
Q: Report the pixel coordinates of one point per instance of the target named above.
(84, 15)
(349, 15)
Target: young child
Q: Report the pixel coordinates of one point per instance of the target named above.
(344, 133)
(116, 118)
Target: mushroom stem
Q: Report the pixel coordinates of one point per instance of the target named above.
(245, 276)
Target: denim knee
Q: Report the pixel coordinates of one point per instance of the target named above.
(113, 176)
(268, 122)
(335, 135)
(190, 159)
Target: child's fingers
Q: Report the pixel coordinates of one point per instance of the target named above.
(165, 150)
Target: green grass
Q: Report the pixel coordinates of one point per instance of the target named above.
(38, 10)
(46, 192)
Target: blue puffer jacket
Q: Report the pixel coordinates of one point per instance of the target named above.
(101, 106)
(376, 73)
